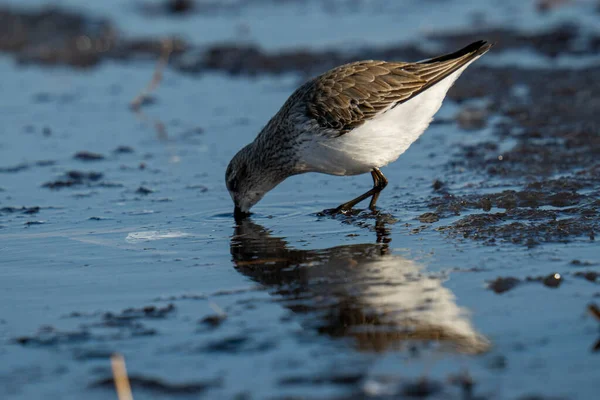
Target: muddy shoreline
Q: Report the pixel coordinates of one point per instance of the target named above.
(549, 114)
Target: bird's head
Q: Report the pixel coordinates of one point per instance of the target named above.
(248, 180)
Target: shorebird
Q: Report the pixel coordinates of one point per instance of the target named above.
(351, 120)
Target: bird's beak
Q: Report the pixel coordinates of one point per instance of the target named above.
(238, 214)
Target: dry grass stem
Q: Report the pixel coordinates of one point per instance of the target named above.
(144, 95)
(120, 377)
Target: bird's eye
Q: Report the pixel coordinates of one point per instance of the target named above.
(233, 185)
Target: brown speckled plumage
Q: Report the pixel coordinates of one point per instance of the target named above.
(347, 96)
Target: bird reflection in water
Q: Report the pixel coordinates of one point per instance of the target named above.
(361, 291)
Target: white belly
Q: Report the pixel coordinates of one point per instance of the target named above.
(380, 140)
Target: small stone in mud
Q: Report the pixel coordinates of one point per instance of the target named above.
(123, 150)
(144, 190)
(88, 156)
(501, 285)
(552, 280)
(579, 263)
(429, 218)
(591, 276)
(486, 204)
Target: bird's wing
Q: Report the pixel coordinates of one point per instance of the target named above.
(345, 97)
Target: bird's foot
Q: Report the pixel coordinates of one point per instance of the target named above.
(375, 212)
(340, 210)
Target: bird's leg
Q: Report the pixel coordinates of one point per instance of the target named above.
(379, 182)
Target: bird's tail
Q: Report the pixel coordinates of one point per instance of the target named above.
(435, 69)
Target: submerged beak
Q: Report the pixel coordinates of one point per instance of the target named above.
(238, 214)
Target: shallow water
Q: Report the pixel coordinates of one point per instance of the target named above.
(138, 253)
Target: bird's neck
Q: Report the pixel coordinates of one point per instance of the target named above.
(267, 159)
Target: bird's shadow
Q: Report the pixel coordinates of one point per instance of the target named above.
(359, 291)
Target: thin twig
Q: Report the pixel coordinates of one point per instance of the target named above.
(120, 377)
(144, 95)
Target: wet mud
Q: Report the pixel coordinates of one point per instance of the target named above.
(100, 327)
(549, 116)
(76, 178)
(501, 285)
(551, 133)
(25, 166)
